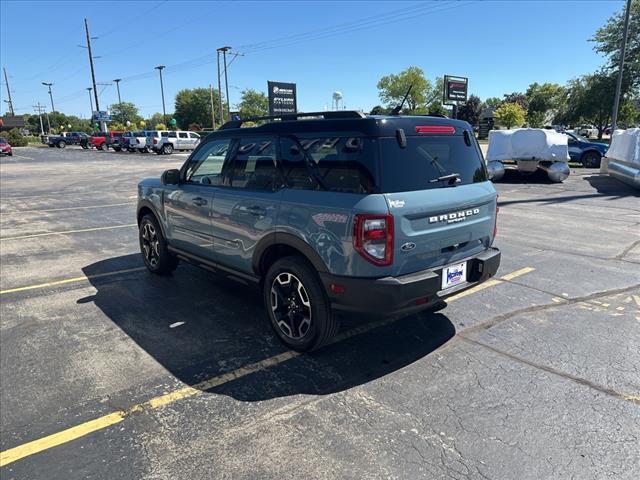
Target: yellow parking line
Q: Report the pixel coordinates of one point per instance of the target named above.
(17, 212)
(68, 232)
(517, 273)
(78, 431)
(70, 280)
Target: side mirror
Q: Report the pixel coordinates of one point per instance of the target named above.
(495, 170)
(170, 177)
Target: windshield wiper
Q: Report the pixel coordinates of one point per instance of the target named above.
(452, 179)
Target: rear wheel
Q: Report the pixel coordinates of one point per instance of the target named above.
(297, 305)
(153, 246)
(591, 160)
(167, 149)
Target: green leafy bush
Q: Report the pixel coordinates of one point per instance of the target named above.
(16, 139)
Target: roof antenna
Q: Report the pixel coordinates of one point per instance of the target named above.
(396, 109)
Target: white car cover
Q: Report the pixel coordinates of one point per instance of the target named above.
(622, 160)
(527, 144)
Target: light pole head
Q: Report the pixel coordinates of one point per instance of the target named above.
(47, 84)
(224, 49)
(117, 80)
(159, 67)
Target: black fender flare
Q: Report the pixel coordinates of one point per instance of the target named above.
(282, 238)
(147, 204)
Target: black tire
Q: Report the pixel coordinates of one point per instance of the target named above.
(51, 145)
(153, 247)
(167, 149)
(84, 146)
(62, 144)
(103, 146)
(591, 159)
(131, 150)
(297, 305)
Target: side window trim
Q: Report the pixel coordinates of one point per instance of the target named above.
(227, 169)
(185, 165)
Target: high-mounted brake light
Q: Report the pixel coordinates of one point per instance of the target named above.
(441, 129)
(373, 238)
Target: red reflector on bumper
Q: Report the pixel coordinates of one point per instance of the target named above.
(338, 288)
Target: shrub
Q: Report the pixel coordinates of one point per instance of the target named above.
(16, 139)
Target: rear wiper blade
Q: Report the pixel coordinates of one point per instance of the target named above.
(452, 178)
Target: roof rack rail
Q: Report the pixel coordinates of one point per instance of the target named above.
(295, 116)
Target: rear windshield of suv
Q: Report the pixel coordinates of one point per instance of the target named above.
(427, 158)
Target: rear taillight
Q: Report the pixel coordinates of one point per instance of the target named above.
(373, 238)
(495, 223)
(155, 140)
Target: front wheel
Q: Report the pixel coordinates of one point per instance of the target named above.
(591, 160)
(153, 247)
(297, 305)
(62, 144)
(103, 146)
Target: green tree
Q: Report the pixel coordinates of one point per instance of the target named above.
(609, 37)
(378, 110)
(517, 97)
(160, 126)
(125, 112)
(509, 115)
(544, 100)
(492, 102)
(436, 108)
(155, 119)
(392, 89)
(470, 110)
(253, 104)
(194, 106)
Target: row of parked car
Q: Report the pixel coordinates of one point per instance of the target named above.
(144, 141)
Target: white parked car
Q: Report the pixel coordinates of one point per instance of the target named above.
(588, 131)
(170, 141)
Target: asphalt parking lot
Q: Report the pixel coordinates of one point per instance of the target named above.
(109, 372)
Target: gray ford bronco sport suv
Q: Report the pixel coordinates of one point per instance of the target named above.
(329, 212)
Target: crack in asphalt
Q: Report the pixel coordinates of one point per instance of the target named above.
(553, 371)
(624, 253)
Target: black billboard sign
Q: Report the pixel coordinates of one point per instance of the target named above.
(455, 89)
(282, 98)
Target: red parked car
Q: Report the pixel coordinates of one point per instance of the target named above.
(5, 148)
(99, 139)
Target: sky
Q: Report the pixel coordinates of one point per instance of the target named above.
(501, 46)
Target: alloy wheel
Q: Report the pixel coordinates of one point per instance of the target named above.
(150, 244)
(290, 305)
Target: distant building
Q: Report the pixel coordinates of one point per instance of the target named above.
(9, 122)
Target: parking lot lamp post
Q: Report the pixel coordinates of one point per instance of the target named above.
(90, 99)
(50, 94)
(623, 46)
(164, 112)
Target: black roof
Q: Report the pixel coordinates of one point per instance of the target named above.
(344, 121)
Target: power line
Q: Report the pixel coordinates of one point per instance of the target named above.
(134, 19)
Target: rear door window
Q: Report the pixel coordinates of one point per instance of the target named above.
(428, 158)
(338, 164)
(183, 135)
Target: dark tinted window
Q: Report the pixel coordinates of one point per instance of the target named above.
(339, 164)
(166, 134)
(172, 135)
(183, 135)
(254, 165)
(418, 166)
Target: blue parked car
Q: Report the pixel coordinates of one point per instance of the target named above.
(582, 150)
(329, 212)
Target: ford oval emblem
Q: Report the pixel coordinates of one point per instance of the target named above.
(408, 246)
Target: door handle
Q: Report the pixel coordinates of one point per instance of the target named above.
(199, 201)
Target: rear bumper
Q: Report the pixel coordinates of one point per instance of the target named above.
(391, 296)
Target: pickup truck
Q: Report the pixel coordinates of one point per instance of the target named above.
(102, 140)
(67, 138)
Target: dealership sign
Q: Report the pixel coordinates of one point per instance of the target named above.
(455, 89)
(100, 116)
(282, 98)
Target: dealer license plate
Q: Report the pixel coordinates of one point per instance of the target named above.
(454, 275)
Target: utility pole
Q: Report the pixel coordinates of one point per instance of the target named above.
(50, 94)
(213, 113)
(39, 109)
(6, 82)
(90, 99)
(164, 113)
(226, 81)
(623, 47)
(220, 89)
(93, 73)
(117, 80)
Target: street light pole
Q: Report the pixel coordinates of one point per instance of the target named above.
(226, 81)
(50, 94)
(90, 99)
(10, 102)
(164, 112)
(623, 47)
(117, 80)
(220, 89)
